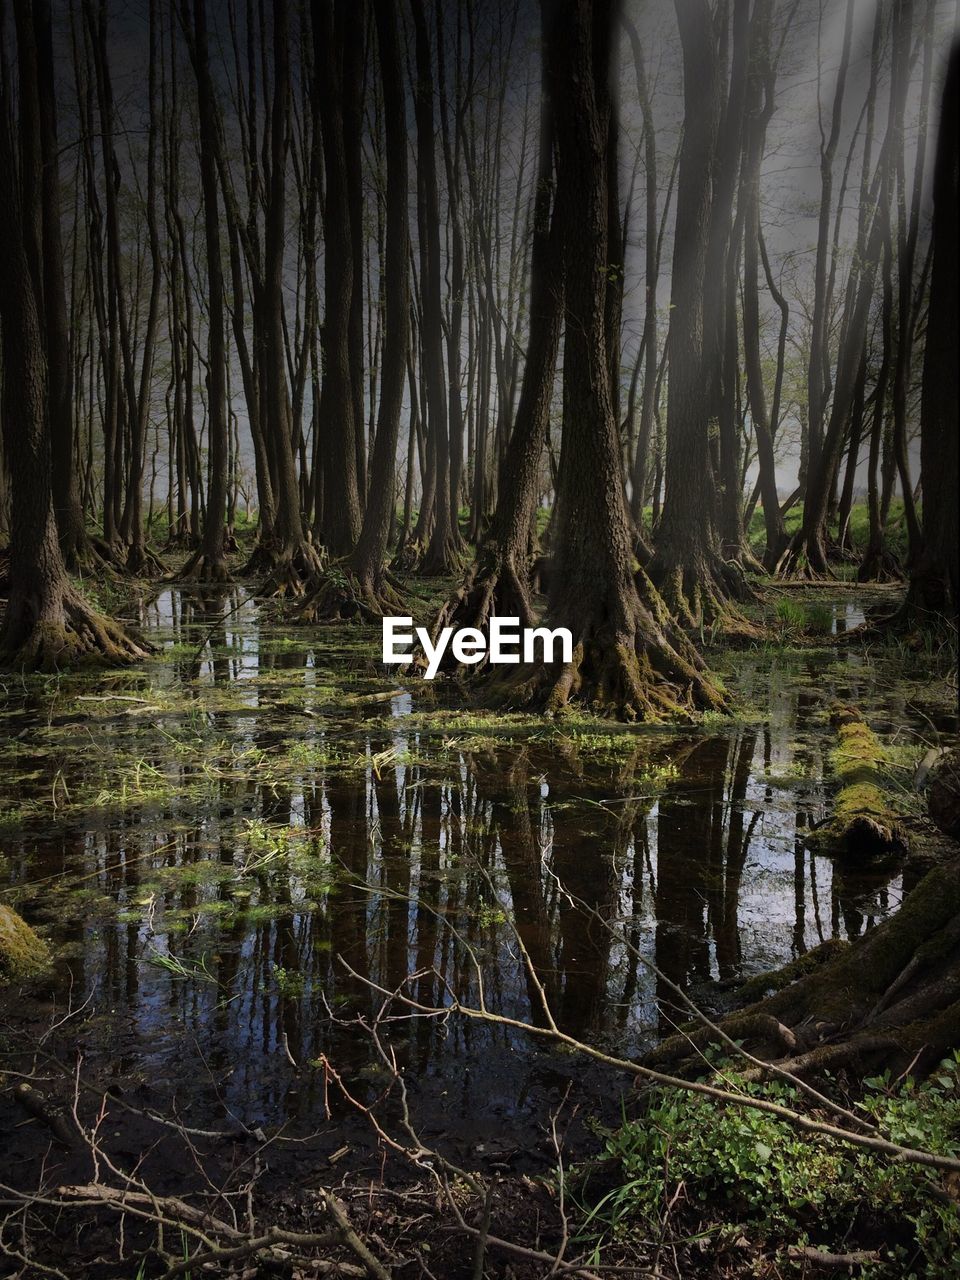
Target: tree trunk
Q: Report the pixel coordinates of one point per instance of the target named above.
(366, 590)
(210, 560)
(935, 578)
(497, 583)
(441, 555)
(628, 658)
(66, 493)
(47, 623)
(687, 566)
(341, 498)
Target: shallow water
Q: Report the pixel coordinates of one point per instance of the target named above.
(234, 846)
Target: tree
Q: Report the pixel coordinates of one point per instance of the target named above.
(759, 107)
(442, 551)
(364, 587)
(497, 583)
(48, 624)
(629, 658)
(687, 566)
(66, 495)
(341, 494)
(290, 556)
(935, 577)
(209, 562)
(807, 550)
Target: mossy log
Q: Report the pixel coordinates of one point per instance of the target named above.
(862, 826)
(22, 953)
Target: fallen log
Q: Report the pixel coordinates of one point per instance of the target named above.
(862, 826)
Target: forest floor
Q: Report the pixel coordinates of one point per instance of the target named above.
(200, 840)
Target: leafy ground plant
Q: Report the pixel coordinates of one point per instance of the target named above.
(716, 1181)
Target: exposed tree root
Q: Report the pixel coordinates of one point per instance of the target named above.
(142, 562)
(261, 561)
(340, 594)
(766, 984)
(492, 587)
(632, 664)
(880, 565)
(760, 1031)
(181, 540)
(803, 560)
(772, 555)
(840, 550)
(408, 555)
(705, 596)
(893, 995)
(290, 573)
(443, 556)
(100, 556)
(62, 630)
(203, 568)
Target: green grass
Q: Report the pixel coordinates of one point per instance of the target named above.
(896, 534)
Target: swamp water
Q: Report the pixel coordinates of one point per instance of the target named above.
(228, 844)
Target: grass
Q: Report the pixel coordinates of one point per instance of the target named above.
(804, 617)
(895, 533)
(183, 970)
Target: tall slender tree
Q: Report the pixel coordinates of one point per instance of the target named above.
(366, 589)
(687, 567)
(47, 623)
(629, 658)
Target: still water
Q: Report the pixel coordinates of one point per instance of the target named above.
(229, 845)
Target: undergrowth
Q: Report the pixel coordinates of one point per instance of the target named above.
(714, 1182)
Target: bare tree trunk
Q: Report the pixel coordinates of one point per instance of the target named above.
(629, 659)
(441, 555)
(341, 495)
(47, 623)
(759, 109)
(935, 577)
(66, 493)
(210, 561)
(687, 566)
(497, 583)
(368, 592)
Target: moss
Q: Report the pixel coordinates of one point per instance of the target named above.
(22, 952)
(863, 824)
(765, 984)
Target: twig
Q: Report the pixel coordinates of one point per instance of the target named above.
(340, 1217)
(480, 1252)
(832, 1261)
(907, 1155)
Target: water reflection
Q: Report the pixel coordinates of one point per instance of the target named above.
(254, 829)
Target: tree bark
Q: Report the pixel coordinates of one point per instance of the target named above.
(366, 590)
(629, 660)
(935, 578)
(210, 561)
(47, 623)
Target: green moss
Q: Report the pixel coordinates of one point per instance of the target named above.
(862, 821)
(22, 952)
